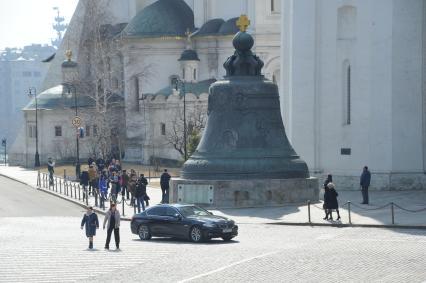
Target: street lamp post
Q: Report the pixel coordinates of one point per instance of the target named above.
(77, 161)
(184, 116)
(4, 144)
(32, 91)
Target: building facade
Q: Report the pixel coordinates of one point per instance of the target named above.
(145, 63)
(353, 91)
(20, 69)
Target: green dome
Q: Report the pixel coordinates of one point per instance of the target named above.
(56, 97)
(189, 55)
(162, 18)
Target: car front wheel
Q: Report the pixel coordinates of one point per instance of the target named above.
(144, 233)
(195, 234)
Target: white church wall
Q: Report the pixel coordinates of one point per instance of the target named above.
(300, 91)
(407, 86)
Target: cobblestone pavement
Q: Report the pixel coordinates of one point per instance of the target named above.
(38, 246)
(53, 249)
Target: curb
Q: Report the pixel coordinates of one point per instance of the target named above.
(83, 205)
(97, 210)
(16, 180)
(341, 225)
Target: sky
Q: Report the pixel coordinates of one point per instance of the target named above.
(23, 22)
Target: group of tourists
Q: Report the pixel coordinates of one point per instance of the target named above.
(330, 194)
(108, 179)
(111, 222)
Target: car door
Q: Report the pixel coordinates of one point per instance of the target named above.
(173, 226)
(155, 217)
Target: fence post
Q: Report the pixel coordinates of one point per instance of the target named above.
(79, 192)
(65, 174)
(38, 179)
(122, 202)
(309, 211)
(393, 214)
(72, 185)
(95, 193)
(60, 186)
(349, 212)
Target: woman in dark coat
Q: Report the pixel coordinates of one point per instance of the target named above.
(90, 219)
(326, 195)
(332, 201)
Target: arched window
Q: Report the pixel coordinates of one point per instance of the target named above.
(173, 81)
(347, 77)
(275, 6)
(163, 129)
(195, 74)
(183, 73)
(136, 93)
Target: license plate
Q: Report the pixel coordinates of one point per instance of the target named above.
(228, 230)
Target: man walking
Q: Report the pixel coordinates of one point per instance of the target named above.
(141, 192)
(112, 217)
(164, 183)
(365, 183)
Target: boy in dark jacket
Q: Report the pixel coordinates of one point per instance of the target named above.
(90, 220)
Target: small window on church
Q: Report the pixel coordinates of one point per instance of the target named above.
(115, 83)
(58, 131)
(195, 74)
(183, 73)
(163, 129)
(88, 131)
(31, 134)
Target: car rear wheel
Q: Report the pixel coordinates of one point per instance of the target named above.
(195, 234)
(227, 238)
(144, 233)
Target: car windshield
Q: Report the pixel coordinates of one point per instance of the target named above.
(193, 211)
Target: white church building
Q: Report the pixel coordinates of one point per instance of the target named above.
(351, 76)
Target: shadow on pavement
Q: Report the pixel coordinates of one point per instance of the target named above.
(217, 241)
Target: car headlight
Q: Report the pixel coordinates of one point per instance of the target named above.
(209, 225)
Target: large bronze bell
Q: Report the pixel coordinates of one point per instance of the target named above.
(244, 136)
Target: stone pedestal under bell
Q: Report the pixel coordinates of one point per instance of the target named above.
(244, 193)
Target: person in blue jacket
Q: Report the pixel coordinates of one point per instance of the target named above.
(103, 189)
(90, 220)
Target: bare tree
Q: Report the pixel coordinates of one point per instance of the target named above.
(195, 121)
(102, 78)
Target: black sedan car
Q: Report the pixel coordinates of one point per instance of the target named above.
(182, 221)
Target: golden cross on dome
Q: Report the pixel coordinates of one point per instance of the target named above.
(68, 54)
(243, 22)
